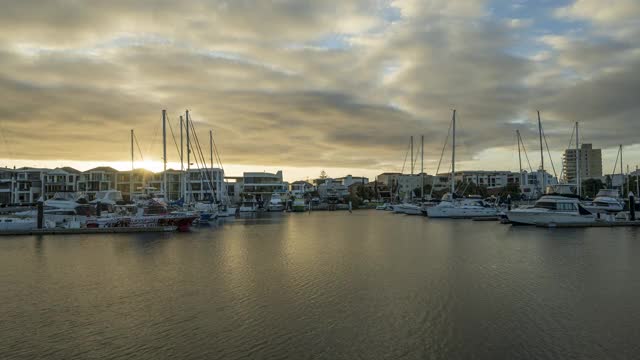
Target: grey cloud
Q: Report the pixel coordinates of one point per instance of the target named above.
(252, 71)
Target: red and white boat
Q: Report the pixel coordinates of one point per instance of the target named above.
(168, 221)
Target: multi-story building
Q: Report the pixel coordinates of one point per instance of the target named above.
(61, 180)
(531, 185)
(301, 187)
(388, 178)
(590, 163)
(200, 181)
(97, 179)
(488, 179)
(7, 183)
(406, 183)
(134, 182)
(28, 186)
(349, 180)
(263, 184)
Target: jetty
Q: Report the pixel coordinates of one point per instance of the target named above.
(108, 230)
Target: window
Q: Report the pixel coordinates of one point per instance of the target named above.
(566, 206)
(546, 205)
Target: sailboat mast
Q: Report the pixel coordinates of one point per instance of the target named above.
(181, 159)
(519, 157)
(578, 182)
(131, 176)
(541, 154)
(637, 182)
(621, 173)
(453, 155)
(187, 185)
(422, 167)
(211, 160)
(411, 155)
(131, 150)
(164, 153)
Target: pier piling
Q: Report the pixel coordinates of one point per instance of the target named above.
(632, 207)
(40, 214)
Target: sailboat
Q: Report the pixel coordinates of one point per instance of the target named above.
(452, 207)
(407, 206)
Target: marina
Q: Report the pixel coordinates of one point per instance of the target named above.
(368, 284)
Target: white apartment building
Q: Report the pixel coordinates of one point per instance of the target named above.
(263, 184)
(590, 163)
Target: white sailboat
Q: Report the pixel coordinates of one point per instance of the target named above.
(451, 207)
(11, 223)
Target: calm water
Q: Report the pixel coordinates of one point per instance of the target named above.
(326, 285)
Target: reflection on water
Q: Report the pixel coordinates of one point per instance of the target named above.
(328, 285)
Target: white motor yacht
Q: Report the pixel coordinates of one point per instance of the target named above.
(552, 209)
(248, 205)
(276, 203)
(606, 201)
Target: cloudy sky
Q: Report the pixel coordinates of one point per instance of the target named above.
(305, 85)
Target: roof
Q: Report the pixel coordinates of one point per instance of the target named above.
(31, 168)
(70, 170)
(391, 173)
(103, 168)
(302, 182)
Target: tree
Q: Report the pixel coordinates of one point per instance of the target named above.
(512, 189)
(590, 187)
(323, 175)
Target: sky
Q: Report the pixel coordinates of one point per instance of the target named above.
(306, 85)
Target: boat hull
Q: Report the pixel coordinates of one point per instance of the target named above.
(460, 211)
(180, 222)
(276, 207)
(536, 218)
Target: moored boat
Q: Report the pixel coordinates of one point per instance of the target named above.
(181, 222)
(552, 209)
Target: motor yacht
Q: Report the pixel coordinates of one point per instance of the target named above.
(551, 209)
(606, 201)
(276, 203)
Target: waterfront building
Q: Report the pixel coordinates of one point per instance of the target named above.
(349, 180)
(488, 179)
(61, 180)
(590, 163)
(406, 183)
(301, 187)
(531, 185)
(332, 187)
(101, 178)
(7, 183)
(28, 184)
(133, 182)
(388, 178)
(201, 183)
(262, 184)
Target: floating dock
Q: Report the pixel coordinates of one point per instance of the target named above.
(89, 231)
(485, 218)
(593, 224)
